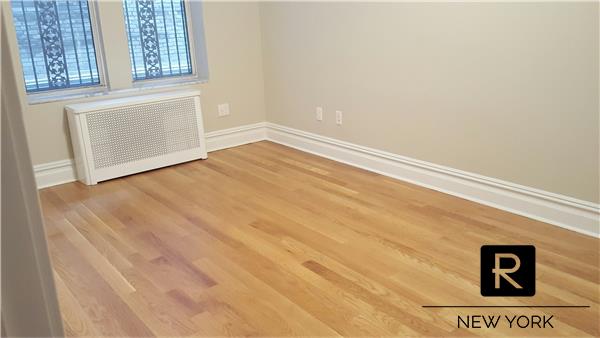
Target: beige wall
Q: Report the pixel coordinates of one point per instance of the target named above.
(504, 90)
(29, 303)
(232, 32)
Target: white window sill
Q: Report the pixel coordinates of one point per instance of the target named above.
(64, 95)
(144, 85)
(102, 91)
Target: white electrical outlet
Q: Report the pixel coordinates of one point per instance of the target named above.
(319, 113)
(223, 109)
(338, 117)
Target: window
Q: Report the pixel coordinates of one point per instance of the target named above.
(158, 38)
(66, 46)
(56, 44)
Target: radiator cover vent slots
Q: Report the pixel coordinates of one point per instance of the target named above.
(123, 136)
(129, 134)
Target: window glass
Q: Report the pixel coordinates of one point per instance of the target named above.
(56, 44)
(158, 38)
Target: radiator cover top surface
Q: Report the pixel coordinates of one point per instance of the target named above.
(128, 134)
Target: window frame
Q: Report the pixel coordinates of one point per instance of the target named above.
(167, 81)
(66, 93)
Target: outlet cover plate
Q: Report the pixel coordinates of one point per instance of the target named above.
(223, 109)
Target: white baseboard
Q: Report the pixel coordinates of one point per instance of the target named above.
(59, 172)
(54, 173)
(233, 137)
(563, 211)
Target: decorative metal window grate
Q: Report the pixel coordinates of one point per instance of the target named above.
(56, 44)
(158, 38)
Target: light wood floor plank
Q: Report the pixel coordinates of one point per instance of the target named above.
(265, 240)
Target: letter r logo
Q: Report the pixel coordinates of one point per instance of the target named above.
(504, 272)
(508, 270)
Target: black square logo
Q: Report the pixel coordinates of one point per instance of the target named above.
(508, 270)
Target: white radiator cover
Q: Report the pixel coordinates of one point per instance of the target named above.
(118, 137)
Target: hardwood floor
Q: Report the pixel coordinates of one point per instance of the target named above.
(265, 240)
